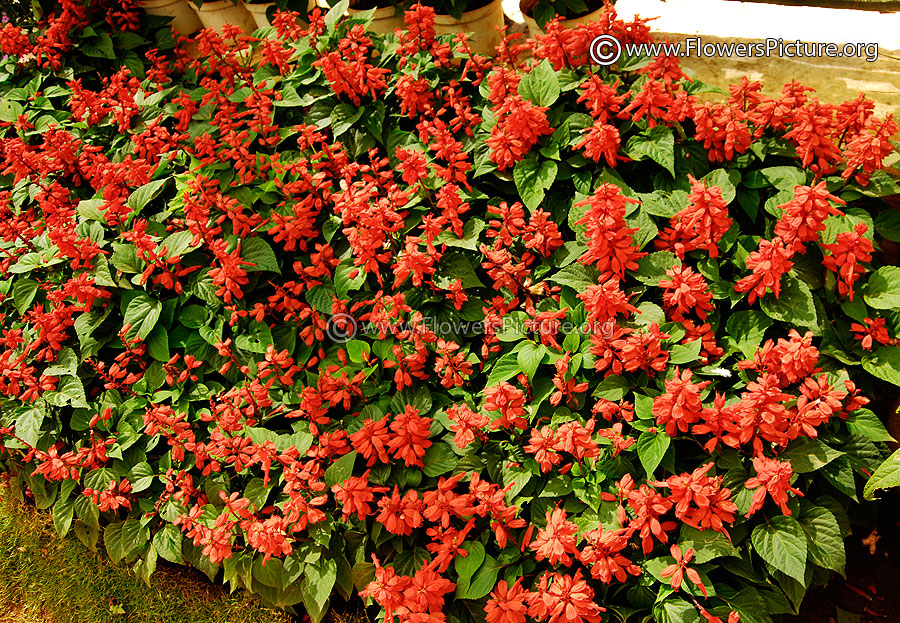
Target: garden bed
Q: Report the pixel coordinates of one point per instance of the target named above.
(335, 317)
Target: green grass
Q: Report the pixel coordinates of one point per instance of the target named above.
(45, 579)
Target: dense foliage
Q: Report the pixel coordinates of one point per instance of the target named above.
(326, 314)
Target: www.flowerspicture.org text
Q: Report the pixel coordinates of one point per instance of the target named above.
(606, 49)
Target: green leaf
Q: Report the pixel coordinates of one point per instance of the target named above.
(686, 353)
(466, 566)
(707, 544)
(612, 388)
(142, 313)
(125, 258)
(123, 540)
(347, 277)
(144, 194)
(747, 329)
(439, 459)
(340, 470)
(662, 203)
(335, 14)
(63, 513)
(456, 266)
(652, 267)
(533, 178)
(540, 86)
(484, 580)
(576, 276)
(781, 542)
(257, 492)
(158, 343)
(887, 224)
(318, 581)
(883, 288)
(675, 611)
(807, 455)
(784, 178)
(823, 538)
(28, 425)
(343, 116)
(651, 447)
(726, 181)
(794, 304)
(260, 254)
(168, 544)
(884, 363)
(886, 476)
(193, 316)
(176, 244)
(657, 144)
(506, 368)
(530, 356)
(24, 291)
(865, 423)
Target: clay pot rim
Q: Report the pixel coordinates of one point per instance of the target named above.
(468, 16)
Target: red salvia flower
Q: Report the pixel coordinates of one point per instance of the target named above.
(772, 477)
(847, 253)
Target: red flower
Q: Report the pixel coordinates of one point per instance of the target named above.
(791, 360)
(868, 150)
(816, 404)
(610, 241)
(678, 570)
(541, 446)
(722, 128)
(410, 439)
(400, 514)
(268, 537)
(568, 599)
(649, 505)
(603, 555)
(811, 135)
(873, 331)
(601, 141)
(700, 225)
(600, 98)
(371, 441)
(804, 216)
(354, 494)
(506, 603)
(849, 250)
(510, 402)
(772, 477)
(686, 290)
(386, 589)
(701, 501)
(768, 263)
(442, 504)
(557, 540)
(680, 406)
(466, 424)
(604, 301)
(426, 591)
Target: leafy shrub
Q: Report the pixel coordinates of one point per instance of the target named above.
(325, 314)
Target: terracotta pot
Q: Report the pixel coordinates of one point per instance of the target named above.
(480, 23)
(184, 20)
(384, 20)
(217, 13)
(259, 13)
(526, 7)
